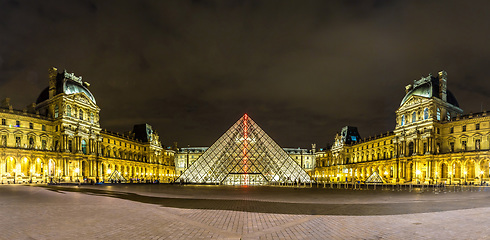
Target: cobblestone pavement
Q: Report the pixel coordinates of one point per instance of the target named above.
(217, 212)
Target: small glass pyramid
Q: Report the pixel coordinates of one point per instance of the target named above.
(374, 178)
(245, 155)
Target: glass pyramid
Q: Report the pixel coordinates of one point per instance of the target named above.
(245, 155)
(374, 178)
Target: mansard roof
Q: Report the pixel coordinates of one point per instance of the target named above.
(428, 87)
(66, 83)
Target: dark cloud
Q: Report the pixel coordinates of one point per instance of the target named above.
(301, 69)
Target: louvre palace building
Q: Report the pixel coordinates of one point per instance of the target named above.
(433, 142)
(59, 139)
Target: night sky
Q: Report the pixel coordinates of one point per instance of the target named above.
(301, 69)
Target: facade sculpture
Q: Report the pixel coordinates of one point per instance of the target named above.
(431, 143)
(59, 139)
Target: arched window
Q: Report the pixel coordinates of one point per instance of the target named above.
(410, 148)
(56, 111)
(84, 147)
(403, 120)
(438, 114)
(68, 111)
(91, 117)
(80, 114)
(414, 117)
(31, 142)
(426, 113)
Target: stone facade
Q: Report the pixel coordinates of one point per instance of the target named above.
(59, 139)
(431, 143)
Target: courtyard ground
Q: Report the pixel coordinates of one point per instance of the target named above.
(150, 211)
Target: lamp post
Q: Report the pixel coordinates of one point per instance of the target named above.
(436, 177)
(465, 177)
(417, 173)
(481, 178)
(77, 171)
(109, 172)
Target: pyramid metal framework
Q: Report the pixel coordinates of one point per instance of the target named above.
(245, 155)
(374, 178)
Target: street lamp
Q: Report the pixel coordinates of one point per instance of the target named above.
(77, 171)
(465, 177)
(59, 175)
(417, 173)
(481, 177)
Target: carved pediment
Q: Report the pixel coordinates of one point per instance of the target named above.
(413, 100)
(83, 98)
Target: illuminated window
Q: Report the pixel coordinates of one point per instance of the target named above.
(438, 114)
(56, 110)
(426, 113)
(477, 144)
(403, 120)
(17, 141)
(84, 147)
(451, 146)
(414, 117)
(68, 111)
(463, 145)
(80, 114)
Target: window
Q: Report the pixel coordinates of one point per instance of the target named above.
(43, 144)
(68, 111)
(56, 128)
(31, 142)
(463, 145)
(426, 113)
(56, 145)
(403, 120)
(448, 116)
(17, 123)
(43, 127)
(4, 140)
(410, 148)
(477, 144)
(477, 126)
(451, 146)
(425, 147)
(17, 141)
(438, 131)
(438, 114)
(4, 121)
(91, 117)
(70, 147)
(414, 117)
(451, 130)
(56, 111)
(31, 126)
(84, 147)
(80, 114)
(464, 128)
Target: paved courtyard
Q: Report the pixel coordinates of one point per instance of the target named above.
(221, 212)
